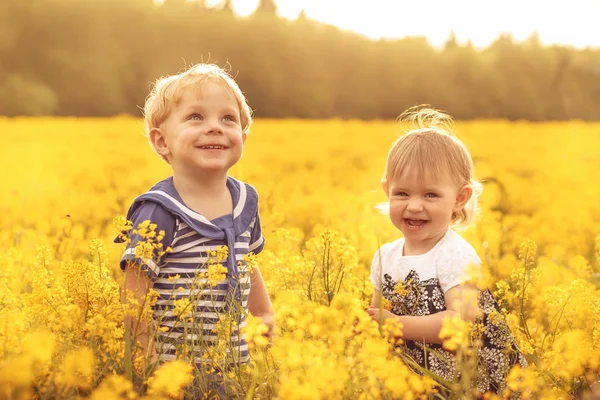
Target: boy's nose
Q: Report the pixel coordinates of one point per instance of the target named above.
(214, 128)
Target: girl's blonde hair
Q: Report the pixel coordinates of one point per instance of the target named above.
(430, 149)
(168, 91)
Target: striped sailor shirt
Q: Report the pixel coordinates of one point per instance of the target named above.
(181, 275)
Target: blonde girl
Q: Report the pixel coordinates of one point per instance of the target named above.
(423, 276)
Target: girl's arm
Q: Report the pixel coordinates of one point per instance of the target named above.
(259, 302)
(137, 282)
(460, 301)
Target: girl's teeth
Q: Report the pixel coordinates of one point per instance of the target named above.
(415, 222)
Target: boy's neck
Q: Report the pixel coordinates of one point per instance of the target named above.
(200, 186)
(207, 195)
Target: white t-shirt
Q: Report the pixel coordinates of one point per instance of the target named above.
(449, 262)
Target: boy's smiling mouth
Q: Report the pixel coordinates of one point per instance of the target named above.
(212, 147)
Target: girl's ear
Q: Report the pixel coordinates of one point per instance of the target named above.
(384, 186)
(463, 196)
(159, 142)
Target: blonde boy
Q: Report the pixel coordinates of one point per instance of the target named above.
(197, 121)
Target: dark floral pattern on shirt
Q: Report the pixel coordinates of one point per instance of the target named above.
(497, 352)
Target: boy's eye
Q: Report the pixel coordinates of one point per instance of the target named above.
(431, 195)
(402, 194)
(229, 118)
(195, 117)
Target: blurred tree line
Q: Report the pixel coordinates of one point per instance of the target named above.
(98, 58)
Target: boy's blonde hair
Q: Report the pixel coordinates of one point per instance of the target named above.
(431, 149)
(167, 92)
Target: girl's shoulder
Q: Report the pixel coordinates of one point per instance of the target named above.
(390, 249)
(455, 250)
(456, 262)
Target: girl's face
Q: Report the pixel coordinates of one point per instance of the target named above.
(422, 207)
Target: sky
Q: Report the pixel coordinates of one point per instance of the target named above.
(572, 22)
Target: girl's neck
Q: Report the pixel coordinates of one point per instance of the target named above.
(420, 247)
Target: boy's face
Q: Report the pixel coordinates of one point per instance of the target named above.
(203, 133)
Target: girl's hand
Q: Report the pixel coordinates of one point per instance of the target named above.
(380, 314)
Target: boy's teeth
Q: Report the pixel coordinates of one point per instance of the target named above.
(212, 147)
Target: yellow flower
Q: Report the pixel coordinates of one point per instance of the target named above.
(170, 379)
(581, 267)
(183, 307)
(251, 262)
(114, 387)
(524, 381)
(528, 253)
(77, 369)
(216, 273)
(495, 317)
(392, 329)
(526, 346)
(218, 255)
(386, 304)
(62, 273)
(400, 289)
(503, 290)
(597, 247)
(478, 331)
(254, 332)
(454, 333)
(37, 351)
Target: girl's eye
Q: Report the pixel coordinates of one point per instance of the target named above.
(196, 117)
(431, 195)
(229, 118)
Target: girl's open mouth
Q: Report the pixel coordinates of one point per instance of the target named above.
(414, 223)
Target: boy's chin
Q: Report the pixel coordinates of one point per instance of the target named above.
(216, 169)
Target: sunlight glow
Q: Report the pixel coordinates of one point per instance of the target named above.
(290, 9)
(481, 22)
(245, 7)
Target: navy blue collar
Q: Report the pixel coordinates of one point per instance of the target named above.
(245, 207)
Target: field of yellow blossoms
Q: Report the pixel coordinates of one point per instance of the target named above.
(65, 181)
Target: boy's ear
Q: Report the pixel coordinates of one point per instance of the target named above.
(463, 196)
(244, 135)
(159, 141)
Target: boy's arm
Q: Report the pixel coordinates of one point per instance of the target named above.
(259, 302)
(140, 267)
(460, 301)
(137, 282)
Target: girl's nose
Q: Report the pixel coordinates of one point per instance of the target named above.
(415, 205)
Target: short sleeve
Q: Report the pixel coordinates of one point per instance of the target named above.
(457, 267)
(164, 220)
(257, 240)
(377, 268)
